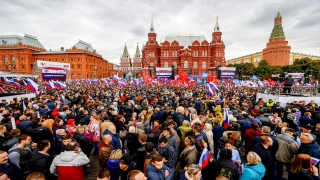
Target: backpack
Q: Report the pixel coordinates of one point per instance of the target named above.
(226, 172)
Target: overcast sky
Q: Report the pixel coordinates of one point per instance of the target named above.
(107, 24)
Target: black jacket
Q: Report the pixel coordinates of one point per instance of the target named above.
(84, 143)
(41, 163)
(227, 163)
(305, 175)
(8, 143)
(39, 133)
(23, 126)
(268, 158)
(11, 170)
(264, 120)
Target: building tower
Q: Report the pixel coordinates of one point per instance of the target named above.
(217, 48)
(125, 60)
(137, 58)
(277, 51)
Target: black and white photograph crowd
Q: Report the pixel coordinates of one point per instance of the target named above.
(157, 132)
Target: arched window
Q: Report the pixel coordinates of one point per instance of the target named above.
(217, 54)
(185, 65)
(6, 60)
(175, 65)
(165, 64)
(195, 64)
(13, 60)
(151, 64)
(204, 65)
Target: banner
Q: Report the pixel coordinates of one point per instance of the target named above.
(296, 75)
(53, 73)
(227, 72)
(52, 65)
(163, 73)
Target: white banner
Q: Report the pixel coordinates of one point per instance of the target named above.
(49, 64)
(55, 71)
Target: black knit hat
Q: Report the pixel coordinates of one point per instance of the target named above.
(225, 153)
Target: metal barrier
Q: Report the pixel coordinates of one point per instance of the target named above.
(295, 90)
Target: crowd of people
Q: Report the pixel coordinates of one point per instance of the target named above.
(157, 133)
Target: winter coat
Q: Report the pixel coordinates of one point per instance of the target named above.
(305, 175)
(227, 163)
(11, 170)
(23, 126)
(84, 143)
(39, 133)
(235, 155)
(188, 156)
(20, 156)
(247, 124)
(104, 153)
(8, 143)
(305, 120)
(169, 154)
(154, 173)
(68, 165)
(132, 142)
(113, 167)
(217, 131)
(178, 118)
(157, 116)
(287, 148)
(209, 135)
(275, 145)
(268, 158)
(183, 131)
(249, 136)
(253, 172)
(313, 149)
(41, 163)
(94, 126)
(116, 144)
(264, 120)
(84, 119)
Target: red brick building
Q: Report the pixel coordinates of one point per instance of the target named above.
(129, 66)
(277, 51)
(18, 54)
(183, 52)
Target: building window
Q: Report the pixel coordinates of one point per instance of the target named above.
(258, 59)
(151, 64)
(165, 64)
(204, 65)
(219, 64)
(79, 66)
(62, 60)
(185, 64)
(202, 53)
(175, 65)
(13, 60)
(6, 60)
(195, 64)
(73, 76)
(23, 67)
(205, 53)
(151, 54)
(72, 66)
(79, 76)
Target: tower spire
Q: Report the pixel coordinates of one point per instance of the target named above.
(217, 28)
(125, 51)
(277, 31)
(137, 51)
(152, 30)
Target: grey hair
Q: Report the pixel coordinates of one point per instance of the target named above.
(186, 123)
(309, 136)
(266, 129)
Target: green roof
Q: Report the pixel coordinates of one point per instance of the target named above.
(277, 32)
(278, 14)
(137, 51)
(125, 51)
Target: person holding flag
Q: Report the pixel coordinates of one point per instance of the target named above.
(302, 168)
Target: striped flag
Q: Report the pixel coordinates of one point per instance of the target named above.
(204, 158)
(226, 122)
(298, 141)
(314, 161)
(209, 90)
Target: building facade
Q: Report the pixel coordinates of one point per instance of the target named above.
(19, 54)
(128, 66)
(185, 53)
(277, 51)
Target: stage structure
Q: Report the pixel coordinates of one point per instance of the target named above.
(48, 70)
(227, 72)
(163, 73)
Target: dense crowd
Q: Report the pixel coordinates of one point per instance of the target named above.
(159, 133)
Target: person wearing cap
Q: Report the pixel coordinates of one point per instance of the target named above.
(309, 146)
(125, 166)
(305, 129)
(286, 152)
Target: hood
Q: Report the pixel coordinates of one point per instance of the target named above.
(113, 165)
(68, 156)
(259, 168)
(254, 132)
(185, 129)
(14, 147)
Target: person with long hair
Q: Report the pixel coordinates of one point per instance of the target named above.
(302, 168)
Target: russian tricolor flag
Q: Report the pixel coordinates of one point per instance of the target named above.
(314, 161)
(60, 85)
(213, 86)
(51, 84)
(2, 90)
(47, 86)
(204, 158)
(209, 90)
(115, 79)
(30, 84)
(16, 85)
(226, 122)
(121, 83)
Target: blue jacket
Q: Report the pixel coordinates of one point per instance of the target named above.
(217, 134)
(24, 125)
(154, 173)
(313, 149)
(247, 124)
(115, 139)
(305, 120)
(157, 116)
(254, 172)
(113, 167)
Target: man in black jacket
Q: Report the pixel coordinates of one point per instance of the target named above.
(264, 120)
(140, 154)
(39, 132)
(287, 85)
(267, 155)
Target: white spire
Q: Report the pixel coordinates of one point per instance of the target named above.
(217, 28)
(152, 30)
